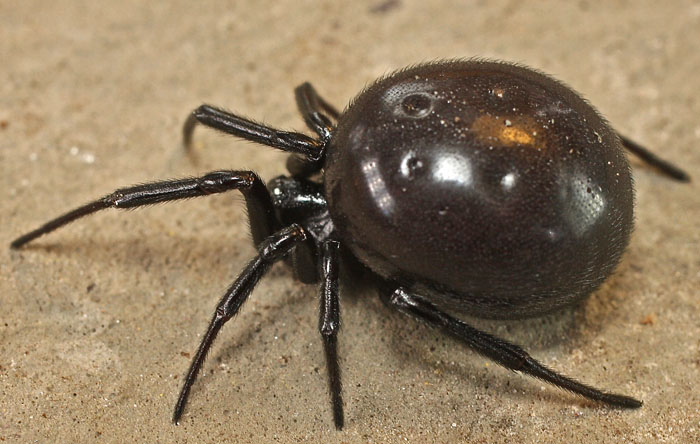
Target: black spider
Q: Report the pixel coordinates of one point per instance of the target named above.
(463, 186)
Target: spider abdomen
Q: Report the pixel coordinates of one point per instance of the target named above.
(491, 187)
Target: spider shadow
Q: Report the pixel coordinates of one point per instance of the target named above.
(136, 251)
(128, 269)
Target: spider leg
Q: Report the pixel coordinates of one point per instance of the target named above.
(270, 251)
(329, 324)
(228, 123)
(652, 159)
(320, 116)
(260, 209)
(504, 353)
(317, 113)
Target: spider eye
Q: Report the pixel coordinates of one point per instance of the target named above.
(416, 105)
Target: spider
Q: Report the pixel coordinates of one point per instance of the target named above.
(463, 186)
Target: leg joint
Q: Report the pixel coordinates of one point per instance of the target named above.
(219, 181)
(277, 246)
(329, 328)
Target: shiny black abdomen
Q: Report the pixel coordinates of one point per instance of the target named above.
(488, 187)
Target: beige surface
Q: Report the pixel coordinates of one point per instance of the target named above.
(99, 319)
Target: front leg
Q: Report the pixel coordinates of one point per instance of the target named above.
(503, 352)
(260, 209)
(321, 117)
(317, 113)
(229, 123)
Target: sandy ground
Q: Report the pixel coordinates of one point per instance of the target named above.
(100, 319)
